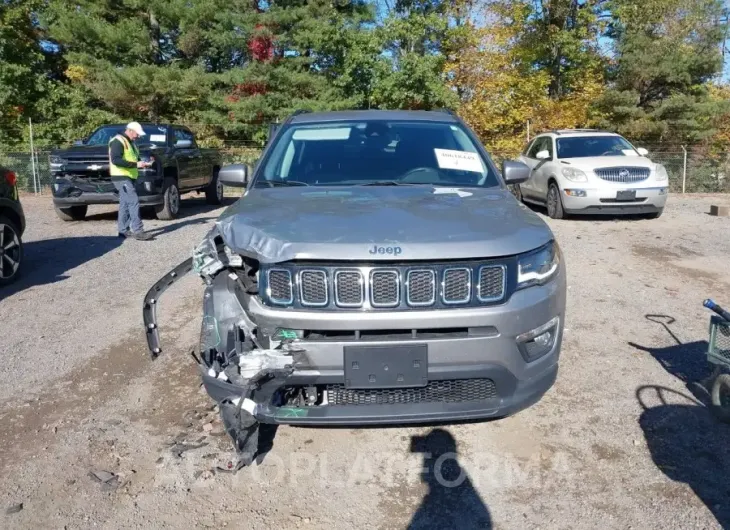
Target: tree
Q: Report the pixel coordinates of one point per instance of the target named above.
(409, 71)
(666, 53)
(503, 84)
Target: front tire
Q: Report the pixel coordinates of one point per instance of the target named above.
(11, 251)
(214, 191)
(555, 203)
(170, 208)
(72, 213)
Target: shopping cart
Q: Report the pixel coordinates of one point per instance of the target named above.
(718, 354)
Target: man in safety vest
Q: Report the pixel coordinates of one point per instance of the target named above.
(124, 166)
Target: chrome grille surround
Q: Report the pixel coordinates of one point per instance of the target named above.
(491, 283)
(385, 287)
(623, 175)
(313, 288)
(390, 286)
(349, 288)
(421, 287)
(456, 285)
(279, 286)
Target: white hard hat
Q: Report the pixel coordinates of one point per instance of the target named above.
(136, 127)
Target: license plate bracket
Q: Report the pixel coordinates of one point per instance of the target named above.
(626, 195)
(386, 366)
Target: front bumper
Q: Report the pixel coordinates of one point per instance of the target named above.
(603, 200)
(71, 191)
(484, 348)
(513, 397)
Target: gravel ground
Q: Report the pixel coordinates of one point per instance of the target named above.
(623, 440)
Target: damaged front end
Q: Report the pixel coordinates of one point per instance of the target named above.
(242, 368)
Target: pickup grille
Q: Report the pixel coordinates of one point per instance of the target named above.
(386, 287)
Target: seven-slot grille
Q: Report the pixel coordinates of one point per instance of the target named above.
(395, 287)
(624, 175)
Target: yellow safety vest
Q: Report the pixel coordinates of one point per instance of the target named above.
(130, 155)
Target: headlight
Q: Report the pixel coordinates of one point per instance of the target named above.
(539, 266)
(575, 175)
(661, 173)
(55, 161)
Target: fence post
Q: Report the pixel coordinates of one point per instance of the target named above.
(32, 157)
(528, 131)
(684, 169)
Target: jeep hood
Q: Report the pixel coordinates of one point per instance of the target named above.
(424, 222)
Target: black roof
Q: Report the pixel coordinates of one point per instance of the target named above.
(413, 115)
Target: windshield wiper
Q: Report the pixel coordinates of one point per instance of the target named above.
(275, 183)
(391, 183)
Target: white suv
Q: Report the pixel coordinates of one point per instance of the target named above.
(584, 171)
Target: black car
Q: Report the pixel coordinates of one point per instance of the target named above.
(12, 226)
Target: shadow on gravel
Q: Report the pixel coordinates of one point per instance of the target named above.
(451, 501)
(688, 445)
(47, 261)
(685, 361)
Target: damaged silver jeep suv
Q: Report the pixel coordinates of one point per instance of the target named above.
(376, 270)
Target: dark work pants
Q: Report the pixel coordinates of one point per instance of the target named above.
(128, 206)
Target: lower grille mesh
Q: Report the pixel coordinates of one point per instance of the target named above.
(446, 391)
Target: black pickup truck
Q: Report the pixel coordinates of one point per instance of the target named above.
(81, 173)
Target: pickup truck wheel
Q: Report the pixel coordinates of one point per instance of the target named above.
(171, 206)
(72, 213)
(214, 191)
(11, 251)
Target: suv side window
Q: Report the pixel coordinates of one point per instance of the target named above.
(537, 146)
(548, 144)
(529, 147)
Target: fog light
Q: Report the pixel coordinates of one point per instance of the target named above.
(663, 191)
(538, 342)
(575, 193)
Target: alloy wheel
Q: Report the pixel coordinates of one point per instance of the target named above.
(9, 252)
(174, 199)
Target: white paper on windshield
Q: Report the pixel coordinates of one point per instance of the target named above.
(629, 152)
(462, 160)
(157, 138)
(333, 133)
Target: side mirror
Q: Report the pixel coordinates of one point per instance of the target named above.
(234, 175)
(514, 172)
(183, 144)
(543, 155)
(642, 151)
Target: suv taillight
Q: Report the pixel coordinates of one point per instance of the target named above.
(11, 178)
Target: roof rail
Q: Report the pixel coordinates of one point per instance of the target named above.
(563, 131)
(447, 111)
(300, 111)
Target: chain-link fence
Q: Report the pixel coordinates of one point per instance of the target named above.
(694, 174)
